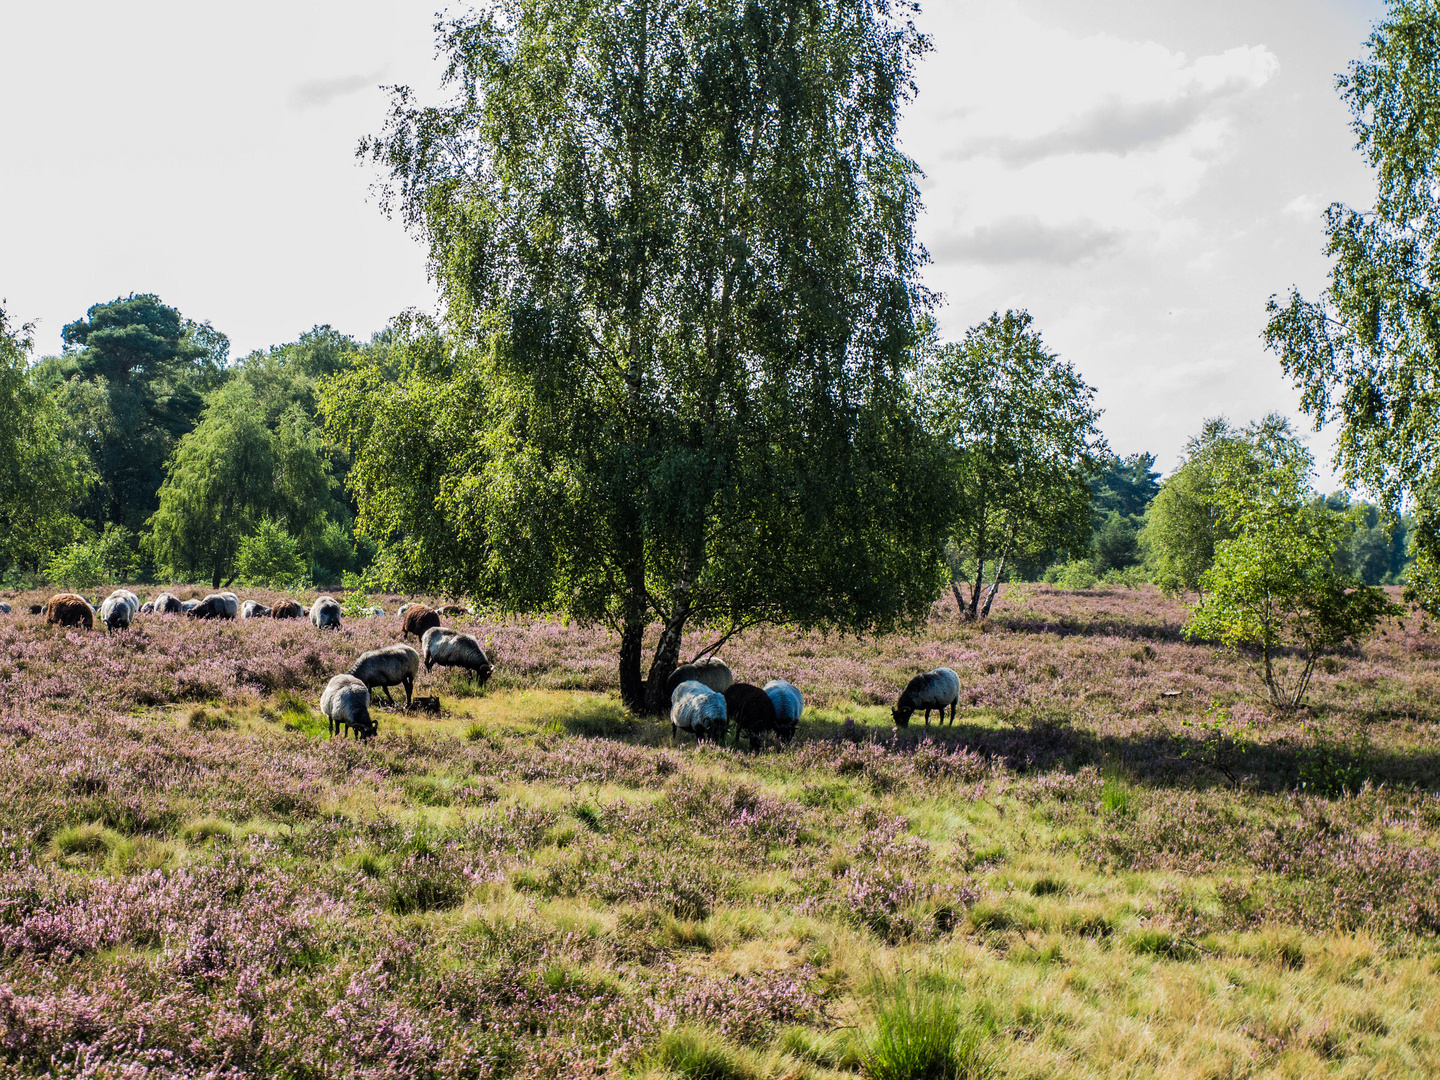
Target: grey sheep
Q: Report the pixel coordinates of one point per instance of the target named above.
(694, 707)
(188, 606)
(393, 665)
(253, 609)
(788, 706)
(325, 613)
(450, 648)
(119, 609)
(346, 703)
(147, 608)
(932, 690)
(167, 604)
(214, 606)
(4, 609)
(711, 671)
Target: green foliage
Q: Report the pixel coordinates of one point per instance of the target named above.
(1075, 574)
(697, 1053)
(231, 473)
(116, 550)
(77, 566)
(675, 245)
(1190, 514)
(1124, 486)
(1217, 742)
(39, 474)
(1020, 425)
(1329, 766)
(1364, 354)
(130, 385)
(1274, 586)
(1116, 543)
(271, 557)
(921, 1035)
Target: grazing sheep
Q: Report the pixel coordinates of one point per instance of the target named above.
(346, 703)
(188, 606)
(450, 648)
(325, 613)
(932, 690)
(374, 612)
(36, 609)
(215, 606)
(147, 608)
(167, 604)
(452, 610)
(400, 611)
(4, 609)
(752, 710)
(711, 671)
(417, 620)
(287, 609)
(253, 609)
(70, 609)
(118, 610)
(393, 665)
(788, 706)
(695, 708)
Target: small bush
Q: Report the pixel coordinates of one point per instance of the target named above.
(271, 558)
(1075, 574)
(91, 839)
(76, 567)
(920, 1035)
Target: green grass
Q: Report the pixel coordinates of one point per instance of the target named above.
(921, 1034)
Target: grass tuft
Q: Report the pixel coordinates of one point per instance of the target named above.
(920, 1034)
(701, 1054)
(208, 828)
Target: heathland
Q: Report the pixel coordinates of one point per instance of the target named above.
(1116, 862)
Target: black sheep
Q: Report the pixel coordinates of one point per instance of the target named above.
(752, 711)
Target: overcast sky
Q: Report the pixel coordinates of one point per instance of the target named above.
(1140, 174)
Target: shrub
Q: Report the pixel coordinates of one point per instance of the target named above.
(920, 1035)
(1075, 574)
(76, 567)
(271, 558)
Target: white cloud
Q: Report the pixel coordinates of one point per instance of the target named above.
(1306, 208)
(317, 93)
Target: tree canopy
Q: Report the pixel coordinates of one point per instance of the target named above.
(675, 244)
(1020, 425)
(1366, 351)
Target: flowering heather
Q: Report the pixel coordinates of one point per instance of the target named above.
(195, 881)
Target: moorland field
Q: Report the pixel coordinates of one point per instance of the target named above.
(1116, 863)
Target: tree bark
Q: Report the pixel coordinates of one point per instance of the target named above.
(667, 658)
(632, 687)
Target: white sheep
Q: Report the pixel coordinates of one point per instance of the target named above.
(346, 703)
(119, 609)
(789, 704)
(450, 648)
(695, 708)
(253, 609)
(393, 665)
(325, 613)
(932, 690)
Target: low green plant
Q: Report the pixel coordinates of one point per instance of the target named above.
(698, 1053)
(1116, 796)
(920, 1034)
(271, 557)
(1217, 742)
(1075, 574)
(1328, 765)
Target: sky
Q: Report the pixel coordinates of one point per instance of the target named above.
(1140, 175)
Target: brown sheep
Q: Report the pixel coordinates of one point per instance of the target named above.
(417, 619)
(69, 609)
(287, 609)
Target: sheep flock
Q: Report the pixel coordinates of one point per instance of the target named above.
(705, 698)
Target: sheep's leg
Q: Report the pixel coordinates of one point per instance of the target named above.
(388, 698)
(409, 690)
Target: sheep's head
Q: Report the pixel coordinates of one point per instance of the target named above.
(901, 716)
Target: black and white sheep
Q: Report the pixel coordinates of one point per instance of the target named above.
(450, 648)
(393, 665)
(752, 710)
(325, 613)
(253, 609)
(346, 703)
(789, 704)
(4, 609)
(118, 610)
(711, 671)
(223, 605)
(167, 604)
(932, 690)
(695, 708)
(188, 606)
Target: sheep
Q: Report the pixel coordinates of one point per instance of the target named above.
(789, 704)
(374, 612)
(452, 610)
(118, 610)
(400, 611)
(232, 604)
(752, 710)
(417, 620)
(393, 665)
(253, 609)
(932, 690)
(286, 609)
(346, 703)
(4, 608)
(712, 672)
(450, 648)
(188, 606)
(147, 608)
(214, 606)
(36, 609)
(694, 707)
(70, 609)
(325, 613)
